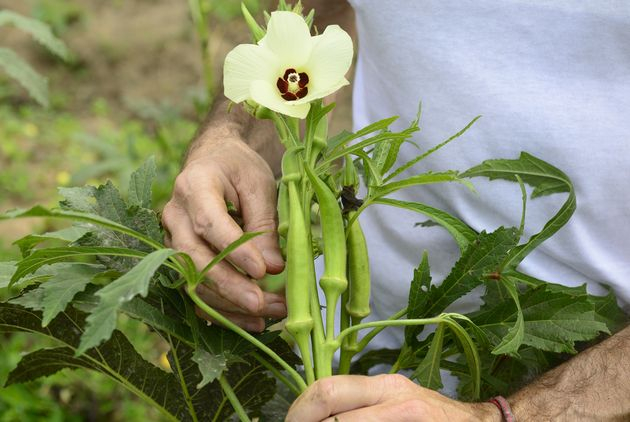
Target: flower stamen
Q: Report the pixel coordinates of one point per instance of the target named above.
(292, 85)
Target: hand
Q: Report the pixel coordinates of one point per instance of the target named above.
(382, 398)
(198, 223)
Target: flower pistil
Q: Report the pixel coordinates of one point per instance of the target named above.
(292, 85)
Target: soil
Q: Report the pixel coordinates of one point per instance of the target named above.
(129, 52)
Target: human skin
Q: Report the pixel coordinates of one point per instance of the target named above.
(235, 157)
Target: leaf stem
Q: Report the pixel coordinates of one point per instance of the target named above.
(236, 403)
(279, 375)
(247, 336)
(182, 381)
(389, 323)
(369, 336)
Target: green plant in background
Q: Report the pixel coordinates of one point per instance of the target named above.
(200, 12)
(20, 70)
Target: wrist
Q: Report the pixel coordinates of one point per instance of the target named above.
(488, 412)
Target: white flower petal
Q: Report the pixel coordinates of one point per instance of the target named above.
(244, 64)
(329, 62)
(324, 93)
(267, 95)
(289, 38)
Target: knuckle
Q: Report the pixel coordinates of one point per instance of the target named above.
(201, 224)
(324, 391)
(411, 409)
(396, 380)
(181, 184)
(168, 213)
(266, 223)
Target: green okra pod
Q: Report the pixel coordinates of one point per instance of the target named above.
(358, 305)
(283, 212)
(334, 281)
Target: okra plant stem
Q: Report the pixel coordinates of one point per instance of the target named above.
(234, 401)
(192, 293)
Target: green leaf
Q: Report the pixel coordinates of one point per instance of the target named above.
(470, 351)
(67, 235)
(78, 199)
(460, 231)
(7, 269)
(38, 30)
(53, 296)
(39, 211)
(545, 179)
(480, 257)
(211, 366)
(553, 321)
(419, 179)
(428, 372)
(116, 358)
(412, 162)
(514, 338)
(48, 256)
(247, 236)
(22, 72)
(140, 184)
(418, 297)
(343, 138)
(102, 321)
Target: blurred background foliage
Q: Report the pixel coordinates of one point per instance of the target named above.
(134, 87)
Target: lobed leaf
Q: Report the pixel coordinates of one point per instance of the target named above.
(460, 231)
(546, 180)
(52, 297)
(553, 320)
(428, 372)
(102, 321)
(480, 257)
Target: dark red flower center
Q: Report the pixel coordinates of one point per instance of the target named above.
(292, 85)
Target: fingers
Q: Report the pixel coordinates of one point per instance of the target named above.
(378, 413)
(338, 394)
(228, 285)
(258, 208)
(204, 199)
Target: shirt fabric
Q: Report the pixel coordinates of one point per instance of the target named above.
(549, 77)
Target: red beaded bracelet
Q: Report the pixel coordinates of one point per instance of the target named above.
(501, 403)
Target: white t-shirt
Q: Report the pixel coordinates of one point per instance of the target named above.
(549, 77)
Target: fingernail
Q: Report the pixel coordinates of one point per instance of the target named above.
(272, 257)
(257, 326)
(252, 302)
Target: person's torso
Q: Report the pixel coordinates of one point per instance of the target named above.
(549, 77)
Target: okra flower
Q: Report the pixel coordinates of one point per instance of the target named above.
(288, 68)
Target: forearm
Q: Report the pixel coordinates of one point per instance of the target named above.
(225, 122)
(595, 385)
